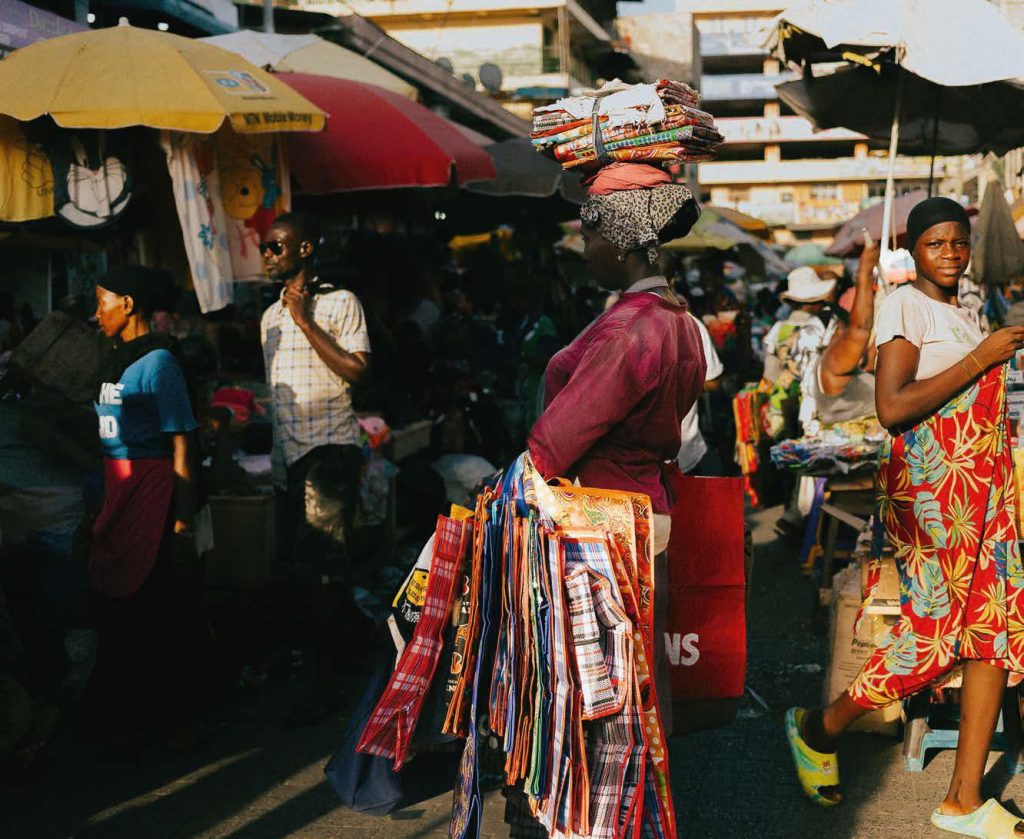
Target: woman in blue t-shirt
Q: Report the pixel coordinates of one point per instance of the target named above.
(143, 536)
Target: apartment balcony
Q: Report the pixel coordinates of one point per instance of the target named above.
(729, 45)
(744, 172)
(742, 87)
(790, 129)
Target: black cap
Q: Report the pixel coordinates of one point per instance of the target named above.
(934, 211)
(146, 286)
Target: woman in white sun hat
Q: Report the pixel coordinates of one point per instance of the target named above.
(792, 347)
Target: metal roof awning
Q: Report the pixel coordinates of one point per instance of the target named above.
(191, 14)
(363, 36)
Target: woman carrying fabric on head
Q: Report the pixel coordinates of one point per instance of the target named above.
(616, 396)
(947, 501)
(142, 540)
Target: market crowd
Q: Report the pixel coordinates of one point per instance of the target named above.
(357, 342)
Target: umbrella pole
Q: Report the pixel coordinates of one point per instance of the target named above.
(935, 142)
(890, 181)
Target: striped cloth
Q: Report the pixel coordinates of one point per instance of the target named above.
(467, 805)
(599, 645)
(390, 727)
(615, 752)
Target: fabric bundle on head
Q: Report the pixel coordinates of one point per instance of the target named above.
(933, 211)
(632, 205)
(145, 286)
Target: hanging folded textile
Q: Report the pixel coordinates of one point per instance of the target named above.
(553, 659)
(196, 182)
(228, 188)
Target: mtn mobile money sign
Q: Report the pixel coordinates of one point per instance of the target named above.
(22, 24)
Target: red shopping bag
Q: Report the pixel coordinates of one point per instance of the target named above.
(706, 626)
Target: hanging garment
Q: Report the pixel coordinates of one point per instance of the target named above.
(91, 182)
(191, 162)
(467, 805)
(389, 730)
(26, 175)
(254, 189)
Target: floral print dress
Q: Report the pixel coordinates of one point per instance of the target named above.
(948, 501)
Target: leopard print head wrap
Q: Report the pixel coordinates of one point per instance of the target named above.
(632, 219)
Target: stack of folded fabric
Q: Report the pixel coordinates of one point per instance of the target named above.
(842, 447)
(551, 658)
(644, 123)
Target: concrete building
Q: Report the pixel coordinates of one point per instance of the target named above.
(521, 51)
(773, 165)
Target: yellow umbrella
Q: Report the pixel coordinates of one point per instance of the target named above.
(123, 76)
(743, 221)
(309, 54)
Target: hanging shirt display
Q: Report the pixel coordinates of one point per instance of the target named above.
(254, 189)
(91, 182)
(26, 175)
(191, 163)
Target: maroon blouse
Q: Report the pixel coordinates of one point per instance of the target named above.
(615, 398)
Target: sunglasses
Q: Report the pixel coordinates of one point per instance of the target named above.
(276, 248)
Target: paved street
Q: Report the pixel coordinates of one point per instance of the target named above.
(259, 780)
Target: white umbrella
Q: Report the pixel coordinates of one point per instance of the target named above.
(949, 42)
(952, 43)
(309, 54)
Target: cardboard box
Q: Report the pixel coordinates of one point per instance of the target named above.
(411, 438)
(244, 541)
(848, 653)
(63, 354)
(886, 599)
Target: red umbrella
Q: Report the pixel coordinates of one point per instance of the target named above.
(850, 237)
(376, 139)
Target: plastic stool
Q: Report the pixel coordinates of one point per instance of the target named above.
(933, 726)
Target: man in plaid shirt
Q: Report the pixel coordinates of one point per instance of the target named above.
(315, 347)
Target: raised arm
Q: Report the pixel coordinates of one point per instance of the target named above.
(901, 401)
(842, 356)
(351, 366)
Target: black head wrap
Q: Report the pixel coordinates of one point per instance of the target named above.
(934, 211)
(145, 286)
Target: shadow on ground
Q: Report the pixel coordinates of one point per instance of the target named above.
(257, 779)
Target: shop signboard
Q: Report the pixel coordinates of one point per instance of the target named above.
(22, 24)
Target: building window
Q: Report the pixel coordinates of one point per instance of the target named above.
(824, 192)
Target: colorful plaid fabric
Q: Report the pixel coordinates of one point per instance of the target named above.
(554, 813)
(467, 637)
(541, 592)
(467, 808)
(599, 647)
(558, 664)
(614, 753)
(389, 730)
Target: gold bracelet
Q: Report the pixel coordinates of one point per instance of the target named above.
(980, 368)
(967, 369)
